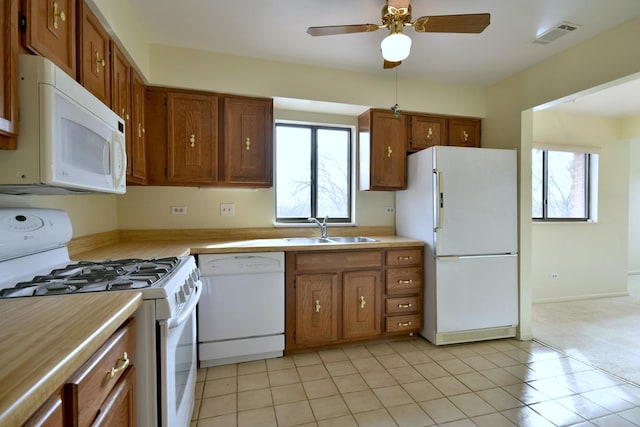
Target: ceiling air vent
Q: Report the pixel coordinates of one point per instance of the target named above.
(555, 33)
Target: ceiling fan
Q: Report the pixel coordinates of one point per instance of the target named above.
(396, 14)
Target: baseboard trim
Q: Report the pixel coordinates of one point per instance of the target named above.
(580, 297)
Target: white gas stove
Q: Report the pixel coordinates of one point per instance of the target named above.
(34, 262)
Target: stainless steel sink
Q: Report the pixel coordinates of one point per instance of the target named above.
(335, 240)
(307, 240)
(352, 239)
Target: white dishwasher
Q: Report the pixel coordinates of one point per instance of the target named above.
(241, 309)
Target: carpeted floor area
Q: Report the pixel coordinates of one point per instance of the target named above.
(604, 332)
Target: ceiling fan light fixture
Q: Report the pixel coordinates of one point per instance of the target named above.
(395, 47)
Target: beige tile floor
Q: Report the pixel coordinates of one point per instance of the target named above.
(413, 383)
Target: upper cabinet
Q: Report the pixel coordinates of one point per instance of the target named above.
(464, 132)
(93, 50)
(121, 93)
(136, 158)
(8, 74)
(382, 139)
(49, 29)
(426, 131)
(248, 141)
(201, 139)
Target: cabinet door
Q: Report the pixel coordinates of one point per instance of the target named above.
(8, 74)
(316, 308)
(119, 408)
(361, 304)
(192, 138)
(464, 132)
(121, 95)
(93, 48)
(426, 132)
(383, 151)
(51, 31)
(137, 157)
(248, 141)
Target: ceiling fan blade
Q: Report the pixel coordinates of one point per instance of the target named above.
(342, 29)
(469, 23)
(390, 64)
(398, 4)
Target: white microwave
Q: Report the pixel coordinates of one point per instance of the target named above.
(68, 140)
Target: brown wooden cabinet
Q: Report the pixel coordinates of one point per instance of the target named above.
(464, 132)
(94, 68)
(403, 290)
(50, 31)
(121, 93)
(49, 415)
(248, 141)
(332, 297)
(136, 157)
(103, 388)
(8, 74)
(192, 138)
(426, 131)
(382, 144)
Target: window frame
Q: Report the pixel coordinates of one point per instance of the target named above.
(314, 128)
(545, 188)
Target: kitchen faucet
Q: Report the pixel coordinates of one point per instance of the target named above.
(322, 225)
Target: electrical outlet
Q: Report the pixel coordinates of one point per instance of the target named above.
(178, 210)
(390, 210)
(555, 275)
(227, 209)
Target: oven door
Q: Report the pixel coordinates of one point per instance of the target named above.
(178, 368)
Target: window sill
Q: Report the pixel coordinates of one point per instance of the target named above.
(311, 225)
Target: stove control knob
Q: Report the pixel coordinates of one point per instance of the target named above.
(181, 297)
(186, 289)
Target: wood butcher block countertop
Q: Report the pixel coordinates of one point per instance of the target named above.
(44, 340)
(162, 248)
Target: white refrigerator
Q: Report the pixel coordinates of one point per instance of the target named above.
(463, 203)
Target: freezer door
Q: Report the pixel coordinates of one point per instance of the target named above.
(477, 201)
(476, 292)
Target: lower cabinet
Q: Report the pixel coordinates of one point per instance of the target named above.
(49, 415)
(334, 297)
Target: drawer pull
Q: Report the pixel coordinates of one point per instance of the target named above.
(58, 14)
(404, 323)
(405, 305)
(405, 282)
(362, 301)
(112, 373)
(405, 258)
(317, 306)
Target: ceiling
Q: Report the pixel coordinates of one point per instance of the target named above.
(276, 30)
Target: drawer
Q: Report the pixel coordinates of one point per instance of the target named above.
(408, 323)
(402, 257)
(403, 305)
(329, 260)
(87, 389)
(404, 280)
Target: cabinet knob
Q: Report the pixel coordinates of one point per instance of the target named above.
(362, 301)
(192, 140)
(429, 133)
(112, 373)
(247, 144)
(389, 151)
(57, 14)
(99, 62)
(317, 306)
(139, 130)
(465, 136)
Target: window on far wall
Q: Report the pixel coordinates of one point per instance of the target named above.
(564, 185)
(313, 172)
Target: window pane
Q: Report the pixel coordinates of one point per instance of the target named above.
(293, 172)
(333, 173)
(536, 180)
(566, 185)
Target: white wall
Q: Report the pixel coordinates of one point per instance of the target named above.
(631, 132)
(589, 258)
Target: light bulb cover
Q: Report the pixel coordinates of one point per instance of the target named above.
(395, 47)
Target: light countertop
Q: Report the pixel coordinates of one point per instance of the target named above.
(44, 340)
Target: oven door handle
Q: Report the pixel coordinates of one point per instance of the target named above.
(188, 310)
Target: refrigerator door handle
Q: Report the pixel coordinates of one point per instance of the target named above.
(445, 258)
(438, 202)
